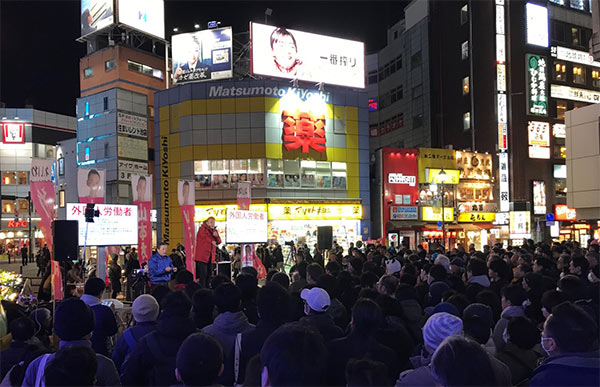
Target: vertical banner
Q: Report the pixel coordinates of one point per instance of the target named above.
(244, 194)
(56, 281)
(249, 258)
(141, 187)
(186, 194)
(91, 185)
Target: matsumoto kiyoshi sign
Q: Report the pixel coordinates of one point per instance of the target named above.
(260, 91)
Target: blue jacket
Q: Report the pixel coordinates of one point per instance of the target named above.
(156, 268)
(106, 324)
(570, 369)
(122, 348)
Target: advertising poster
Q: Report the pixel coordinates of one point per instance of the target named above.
(95, 15)
(132, 148)
(202, 56)
(141, 187)
(244, 195)
(539, 133)
(117, 224)
(146, 16)
(43, 196)
(520, 224)
(539, 197)
(249, 258)
(186, 195)
(91, 185)
(132, 125)
(284, 53)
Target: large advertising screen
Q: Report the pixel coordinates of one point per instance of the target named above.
(537, 24)
(284, 53)
(116, 225)
(202, 56)
(539, 197)
(95, 15)
(146, 16)
(246, 226)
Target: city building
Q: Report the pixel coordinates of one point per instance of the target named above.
(26, 133)
(220, 132)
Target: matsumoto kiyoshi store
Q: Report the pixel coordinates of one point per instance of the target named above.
(218, 133)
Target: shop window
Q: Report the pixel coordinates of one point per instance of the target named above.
(238, 171)
(256, 172)
(309, 173)
(578, 4)
(466, 88)
(61, 166)
(88, 72)
(595, 78)
(9, 178)
(560, 187)
(398, 62)
(575, 36)
(561, 108)
(464, 50)
(559, 72)
(291, 174)
(22, 178)
(323, 174)
(372, 78)
(467, 121)
(142, 68)
(219, 170)
(464, 14)
(275, 173)
(559, 152)
(579, 75)
(8, 207)
(338, 172)
(109, 64)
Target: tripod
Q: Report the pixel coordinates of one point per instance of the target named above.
(291, 255)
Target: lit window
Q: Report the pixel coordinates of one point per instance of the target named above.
(579, 74)
(467, 121)
(561, 108)
(464, 14)
(88, 72)
(109, 64)
(464, 49)
(466, 88)
(61, 198)
(575, 36)
(560, 71)
(142, 68)
(595, 78)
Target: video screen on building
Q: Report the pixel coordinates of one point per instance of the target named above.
(96, 15)
(116, 225)
(145, 16)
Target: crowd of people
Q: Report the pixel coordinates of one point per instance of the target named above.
(371, 316)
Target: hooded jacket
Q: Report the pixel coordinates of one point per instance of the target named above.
(521, 362)
(225, 329)
(507, 314)
(205, 250)
(413, 316)
(570, 369)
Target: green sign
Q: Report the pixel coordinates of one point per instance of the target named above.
(537, 85)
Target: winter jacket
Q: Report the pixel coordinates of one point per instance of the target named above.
(338, 313)
(252, 343)
(205, 250)
(520, 362)
(570, 369)
(157, 266)
(152, 362)
(502, 324)
(106, 324)
(475, 285)
(225, 329)
(123, 348)
(413, 316)
(106, 375)
(324, 324)
(13, 355)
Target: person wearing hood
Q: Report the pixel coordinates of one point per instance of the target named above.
(73, 324)
(230, 321)
(570, 338)
(513, 297)
(477, 279)
(207, 242)
(153, 360)
(106, 323)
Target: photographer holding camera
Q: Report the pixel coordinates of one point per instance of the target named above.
(160, 267)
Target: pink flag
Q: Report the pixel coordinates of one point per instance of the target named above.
(141, 187)
(187, 198)
(43, 196)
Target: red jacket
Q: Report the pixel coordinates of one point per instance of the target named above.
(204, 246)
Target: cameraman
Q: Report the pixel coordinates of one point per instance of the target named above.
(277, 256)
(160, 267)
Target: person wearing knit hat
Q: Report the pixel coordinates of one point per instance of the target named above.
(145, 311)
(438, 327)
(73, 324)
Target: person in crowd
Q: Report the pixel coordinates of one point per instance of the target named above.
(499, 274)
(313, 272)
(132, 264)
(298, 276)
(106, 323)
(203, 307)
(160, 267)
(478, 324)
(282, 279)
(550, 299)
(518, 353)
(207, 242)
(73, 324)
(273, 305)
(22, 330)
(145, 311)
(114, 275)
(42, 318)
(513, 297)
(316, 305)
(177, 259)
(438, 327)
(278, 256)
(230, 321)
(74, 275)
(153, 359)
(248, 284)
(337, 310)
(570, 338)
(580, 267)
(477, 279)
(361, 343)
(199, 361)
(412, 313)
(72, 366)
(293, 355)
(318, 256)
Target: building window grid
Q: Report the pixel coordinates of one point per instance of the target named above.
(579, 74)
(464, 50)
(559, 71)
(88, 72)
(109, 64)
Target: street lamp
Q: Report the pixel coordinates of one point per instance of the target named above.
(442, 178)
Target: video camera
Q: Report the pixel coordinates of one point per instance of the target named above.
(289, 243)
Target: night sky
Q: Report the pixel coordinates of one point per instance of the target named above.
(39, 56)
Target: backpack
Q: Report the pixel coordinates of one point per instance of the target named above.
(163, 369)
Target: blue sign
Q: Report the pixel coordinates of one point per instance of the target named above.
(439, 223)
(213, 24)
(404, 213)
(549, 217)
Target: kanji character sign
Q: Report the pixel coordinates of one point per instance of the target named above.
(303, 130)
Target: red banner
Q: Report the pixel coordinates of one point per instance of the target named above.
(144, 231)
(43, 196)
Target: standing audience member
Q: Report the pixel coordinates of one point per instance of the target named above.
(518, 353)
(106, 323)
(199, 361)
(203, 307)
(72, 366)
(513, 297)
(114, 274)
(22, 330)
(316, 305)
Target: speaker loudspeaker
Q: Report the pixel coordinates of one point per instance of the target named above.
(66, 240)
(325, 237)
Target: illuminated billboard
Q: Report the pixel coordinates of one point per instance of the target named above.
(284, 53)
(539, 197)
(538, 133)
(537, 24)
(96, 15)
(537, 85)
(145, 16)
(202, 56)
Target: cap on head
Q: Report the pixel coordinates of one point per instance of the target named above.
(317, 298)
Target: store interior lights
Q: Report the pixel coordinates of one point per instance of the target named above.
(2, 235)
(11, 235)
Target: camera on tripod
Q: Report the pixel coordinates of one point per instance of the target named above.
(289, 243)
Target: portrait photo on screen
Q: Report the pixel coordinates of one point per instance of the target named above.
(186, 194)
(91, 185)
(141, 187)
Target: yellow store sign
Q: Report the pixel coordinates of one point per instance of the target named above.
(431, 214)
(219, 211)
(450, 176)
(476, 217)
(314, 211)
(435, 158)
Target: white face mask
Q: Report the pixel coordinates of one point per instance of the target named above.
(542, 344)
(505, 336)
(306, 309)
